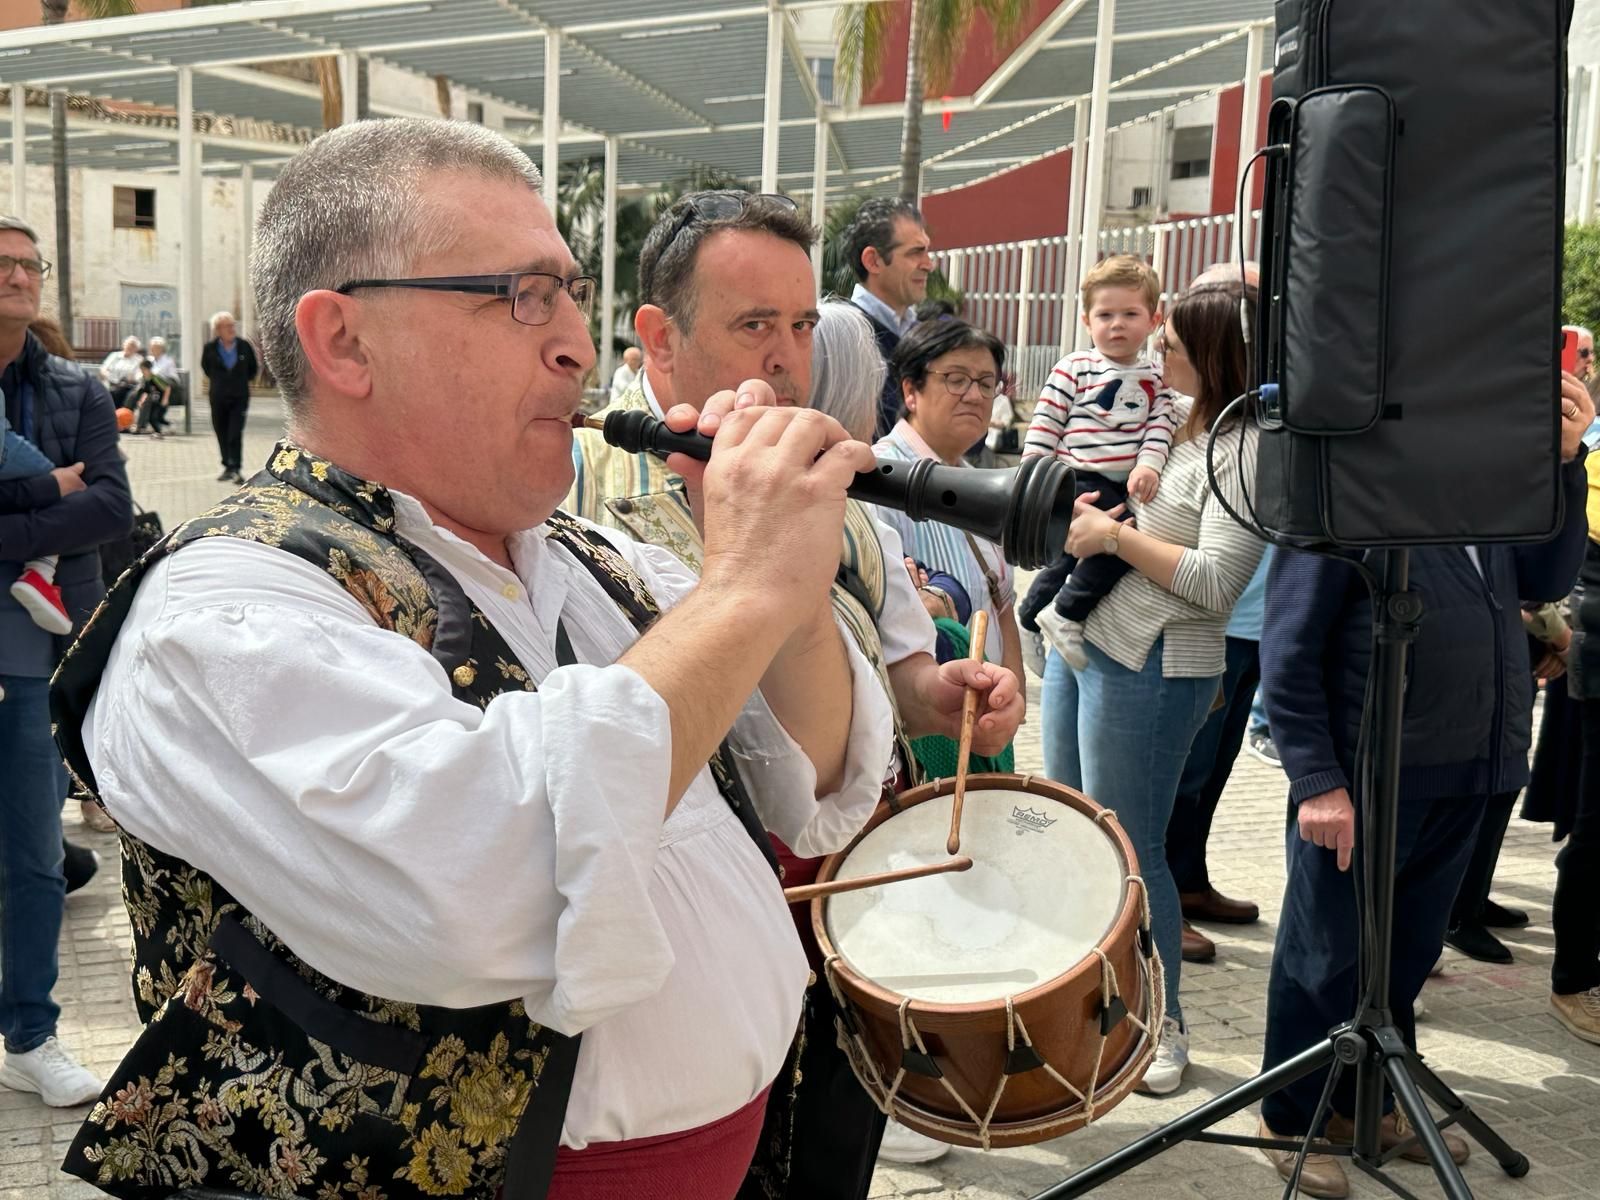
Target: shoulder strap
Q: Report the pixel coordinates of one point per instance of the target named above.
(990, 580)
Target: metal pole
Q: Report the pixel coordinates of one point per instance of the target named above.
(1094, 187)
(1158, 258)
(608, 266)
(247, 224)
(772, 108)
(819, 194)
(1591, 147)
(19, 149)
(1249, 123)
(189, 242)
(552, 119)
(349, 87)
(1024, 295)
(1069, 286)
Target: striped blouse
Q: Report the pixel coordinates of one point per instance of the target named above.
(1219, 558)
(944, 548)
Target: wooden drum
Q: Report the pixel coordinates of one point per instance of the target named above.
(1007, 1004)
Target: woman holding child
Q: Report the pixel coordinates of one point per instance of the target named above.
(1119, 726)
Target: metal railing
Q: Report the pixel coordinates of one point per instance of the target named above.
(1020, 292)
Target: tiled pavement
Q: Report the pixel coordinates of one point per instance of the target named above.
(1487, 1031)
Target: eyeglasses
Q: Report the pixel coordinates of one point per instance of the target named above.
(36, 267)
(1585, 353)
(720, 206)
(532, 293)
(959, 383)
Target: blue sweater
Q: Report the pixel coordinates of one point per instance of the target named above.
(72, 421)
(1469, 695)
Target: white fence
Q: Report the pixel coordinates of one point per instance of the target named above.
(1021, 293)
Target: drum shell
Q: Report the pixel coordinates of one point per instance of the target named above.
(969, 1041)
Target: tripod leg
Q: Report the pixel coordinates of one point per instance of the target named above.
(1410, 1099)
(1511, 1160)
(1185, 1127)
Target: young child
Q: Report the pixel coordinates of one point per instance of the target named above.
(1106, 413)
(35, 589)
(149, 400)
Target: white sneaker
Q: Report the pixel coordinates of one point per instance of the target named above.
(1172, 1059)
(1066, 636)
(902, 1145)
(53, 1073)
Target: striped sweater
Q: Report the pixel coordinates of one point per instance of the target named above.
(1100, 416)
(1219, 558)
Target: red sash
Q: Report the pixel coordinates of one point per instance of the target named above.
(708, 1163)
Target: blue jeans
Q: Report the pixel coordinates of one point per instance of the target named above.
(21, 459)
(32, 889)
(1122, 737)
(1258, 714)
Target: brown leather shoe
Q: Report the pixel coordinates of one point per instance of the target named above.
(1212, 905)
(1394, 1130)
(1197, 947)
(1322, 1176)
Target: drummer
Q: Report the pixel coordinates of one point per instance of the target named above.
(399, 778)
(728, 295)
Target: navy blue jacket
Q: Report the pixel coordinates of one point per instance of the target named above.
(1469, 692)
(73, 421)
(889, 401)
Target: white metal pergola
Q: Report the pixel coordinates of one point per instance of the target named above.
(658, 91)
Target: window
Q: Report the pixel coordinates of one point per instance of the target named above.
(475, 111)
(822, 72)
(133, 208)
(1191, 152)
(1141, 197)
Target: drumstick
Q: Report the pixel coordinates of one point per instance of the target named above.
(811, 891)
(969, 718)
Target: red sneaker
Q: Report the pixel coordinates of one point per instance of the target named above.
(43, 602)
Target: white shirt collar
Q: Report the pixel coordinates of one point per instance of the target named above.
(897, 321)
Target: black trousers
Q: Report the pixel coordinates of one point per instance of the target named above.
(227, 418)
(1210, 762)
(1313, 985)
(1475, 884)
(1577, 902)
(1076, 587)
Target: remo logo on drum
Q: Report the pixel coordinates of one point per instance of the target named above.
(1030, 820)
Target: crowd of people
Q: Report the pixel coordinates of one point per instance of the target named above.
(658, 685)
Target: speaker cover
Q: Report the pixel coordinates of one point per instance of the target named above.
(1411, 275)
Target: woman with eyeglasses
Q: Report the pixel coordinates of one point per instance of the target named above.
(1120, 727)
(947, 372)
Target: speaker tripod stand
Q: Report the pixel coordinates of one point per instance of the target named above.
(1370, 1042)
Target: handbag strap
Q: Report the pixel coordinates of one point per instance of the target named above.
(990, 579)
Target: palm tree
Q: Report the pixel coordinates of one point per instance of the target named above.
(54, 12)
(936, 35)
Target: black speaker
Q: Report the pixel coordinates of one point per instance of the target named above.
(1409, 323)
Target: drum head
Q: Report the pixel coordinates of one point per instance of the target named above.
(1045, 888)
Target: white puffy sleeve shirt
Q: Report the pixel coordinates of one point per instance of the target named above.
(254, 721)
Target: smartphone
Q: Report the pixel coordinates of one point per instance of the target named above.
(1569, 351)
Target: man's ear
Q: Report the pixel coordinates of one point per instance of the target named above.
(872, 260)
(656, 336)
(328, 326)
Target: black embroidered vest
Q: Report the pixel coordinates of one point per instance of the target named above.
(255, 1071)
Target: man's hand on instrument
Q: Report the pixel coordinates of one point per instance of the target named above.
(1001, 703)
(773, 506)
